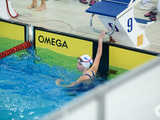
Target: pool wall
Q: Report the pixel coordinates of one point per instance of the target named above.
(115, 57)
(13, 30)
(58, 48)
(128, 57)
(12, 34)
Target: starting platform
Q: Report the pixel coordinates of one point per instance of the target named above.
(118, 18)
(6, 10)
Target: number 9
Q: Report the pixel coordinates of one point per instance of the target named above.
(130, 24)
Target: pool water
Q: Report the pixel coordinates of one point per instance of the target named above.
(28, 90)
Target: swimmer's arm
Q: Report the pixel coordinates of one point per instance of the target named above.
(98, 54)
(58, 83)
(81, 79)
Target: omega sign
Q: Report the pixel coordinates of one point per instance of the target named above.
(52, 41)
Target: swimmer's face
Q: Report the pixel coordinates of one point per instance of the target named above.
(80, 67)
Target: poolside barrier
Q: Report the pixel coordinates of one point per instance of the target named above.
(13, 30)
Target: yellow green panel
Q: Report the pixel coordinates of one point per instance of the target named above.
(11, 31)
(62, 44)
(127, 59)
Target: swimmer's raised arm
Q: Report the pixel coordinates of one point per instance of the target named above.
(99, 53)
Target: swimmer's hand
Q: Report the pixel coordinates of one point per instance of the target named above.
(58, 83)
(102, 36)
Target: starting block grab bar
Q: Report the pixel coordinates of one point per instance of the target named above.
(110, 32)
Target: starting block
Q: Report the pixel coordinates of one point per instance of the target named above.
(118, 17)
(6, 10)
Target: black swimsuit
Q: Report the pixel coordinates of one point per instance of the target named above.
(85, 85)
(91, 77)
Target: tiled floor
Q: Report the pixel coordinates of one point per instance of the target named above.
(70, 16)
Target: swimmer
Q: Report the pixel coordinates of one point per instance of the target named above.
(86, 65)
(34, 5)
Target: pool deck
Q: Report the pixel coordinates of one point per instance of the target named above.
(69, 16)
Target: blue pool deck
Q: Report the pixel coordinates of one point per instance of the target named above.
(55, 18)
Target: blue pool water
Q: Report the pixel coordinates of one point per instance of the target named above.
(28, 90)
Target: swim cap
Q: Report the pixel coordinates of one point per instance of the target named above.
(86, 61)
